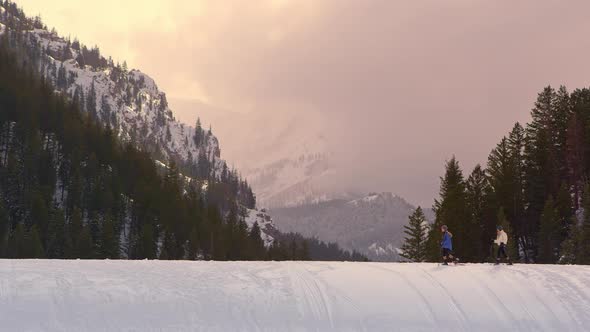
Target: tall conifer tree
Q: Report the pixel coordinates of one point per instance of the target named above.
(414, 247)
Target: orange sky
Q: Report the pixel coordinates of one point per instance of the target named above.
(126, 30)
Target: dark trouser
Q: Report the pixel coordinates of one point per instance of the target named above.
(502, 252)
(447, 254)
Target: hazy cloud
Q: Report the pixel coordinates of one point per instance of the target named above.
(406, 84)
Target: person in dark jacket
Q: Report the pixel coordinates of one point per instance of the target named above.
(446, 245)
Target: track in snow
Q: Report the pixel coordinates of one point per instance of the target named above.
(45, 295)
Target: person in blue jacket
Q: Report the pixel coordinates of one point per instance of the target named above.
(447, 245)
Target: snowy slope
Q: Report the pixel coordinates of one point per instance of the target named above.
(132, 105)
(129, 101)
(290, 296)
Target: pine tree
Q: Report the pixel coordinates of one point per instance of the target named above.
(543, 112)
(503, 177)
(563, 206)
(304, 254)
(109, 244)
(146, 246)
(583, 256)
(414, 246)
(91, 102)
(74, 228)
(17, 247)
(293, 249)
(34, 247)
(562, 112)
(193, 245)
(571, 245)
(94, 228)
(61, 77)
(451, 210)
(548, 234)
(166, 250)
(56, 239)
(541, 178)
(39, 212)
(478, 196)
(199, 134)
(575, 157)
(537, 185)
(516, 147)
(4, 229)
(84, 244)
(256, 240)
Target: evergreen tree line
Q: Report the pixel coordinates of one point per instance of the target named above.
(535, 185)
(316, 249)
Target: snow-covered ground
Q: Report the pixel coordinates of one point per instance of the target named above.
(44, 295)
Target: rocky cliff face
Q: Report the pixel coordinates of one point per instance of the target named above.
(128, 101)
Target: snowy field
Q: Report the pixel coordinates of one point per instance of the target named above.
(43, 295)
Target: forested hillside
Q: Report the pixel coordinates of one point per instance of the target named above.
(126, 100)
(70, 188)
(535, 184)
(78, 179)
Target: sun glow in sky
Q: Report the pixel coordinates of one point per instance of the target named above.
(150, 34)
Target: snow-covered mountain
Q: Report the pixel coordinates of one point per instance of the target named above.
(294, 179)
(372, 224)
(285, 156)
(286, 159)
(290, 296)
(127, 101)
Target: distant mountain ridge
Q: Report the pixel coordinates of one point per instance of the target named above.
(371, 224)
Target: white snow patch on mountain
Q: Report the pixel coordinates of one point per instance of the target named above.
(131, 104)
(264, 221)
(54, 295)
